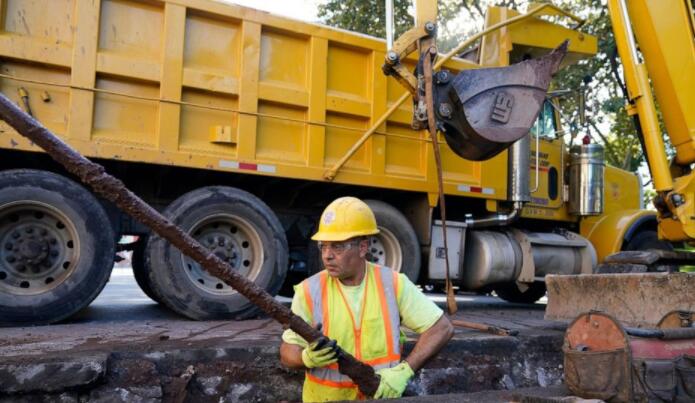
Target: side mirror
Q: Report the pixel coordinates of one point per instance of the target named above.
(581, 100)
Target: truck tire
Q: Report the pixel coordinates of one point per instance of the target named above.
(236, 226)
(511, 293)
(58, 247)
(646, 239)
(141, 270)
(396, 245)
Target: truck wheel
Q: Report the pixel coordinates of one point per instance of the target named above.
(141, 271)
(647, 239)
(57, 247)
(236, 226)
(396, 245)
(511, 293)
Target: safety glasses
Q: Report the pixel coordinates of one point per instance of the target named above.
(336, 247)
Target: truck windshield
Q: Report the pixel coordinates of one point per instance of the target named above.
(545, 124)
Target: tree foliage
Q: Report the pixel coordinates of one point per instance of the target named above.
(599, 77)
(369, 16)
(601, 80)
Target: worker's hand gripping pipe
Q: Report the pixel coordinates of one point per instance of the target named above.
(115, 191)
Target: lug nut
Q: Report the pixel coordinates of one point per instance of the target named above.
(11, 259)
(54, 253)
(8, 246)
(21, 268)
(52, 241)
(43, 232)
(15, 235)
(29, 230)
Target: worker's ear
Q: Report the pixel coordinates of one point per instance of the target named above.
(364, 246)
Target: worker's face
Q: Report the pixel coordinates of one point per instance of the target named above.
(344, 260)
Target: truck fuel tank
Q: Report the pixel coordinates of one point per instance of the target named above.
(493, 257)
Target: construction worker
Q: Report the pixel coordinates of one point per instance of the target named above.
(361, 306)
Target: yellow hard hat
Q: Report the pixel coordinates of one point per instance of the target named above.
(345, 218)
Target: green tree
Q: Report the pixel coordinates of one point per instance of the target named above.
(369, 16)
(601, 80)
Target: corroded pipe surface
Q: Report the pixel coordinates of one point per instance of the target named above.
(114, 190)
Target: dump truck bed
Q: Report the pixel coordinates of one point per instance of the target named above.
(202, 84)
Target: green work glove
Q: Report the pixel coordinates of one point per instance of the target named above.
(393, 381)
(325, 354)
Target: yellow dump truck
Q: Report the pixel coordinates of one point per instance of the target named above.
(228, 120)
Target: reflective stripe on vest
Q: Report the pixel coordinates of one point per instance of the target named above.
(316, 295)
(330, 375)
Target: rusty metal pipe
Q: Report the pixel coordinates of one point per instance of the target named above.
(115, 191)
(498, 331)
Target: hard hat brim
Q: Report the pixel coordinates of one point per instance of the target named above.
(341, 236)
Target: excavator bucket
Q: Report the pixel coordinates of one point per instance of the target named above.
(484, 111)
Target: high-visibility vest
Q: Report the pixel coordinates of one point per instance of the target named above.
(373, 338)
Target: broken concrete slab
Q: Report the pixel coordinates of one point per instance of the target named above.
(239, 361)
(636, 299)
(56, 374)
(244, 371)
(65, 397)
(126, 395)
(554, 394)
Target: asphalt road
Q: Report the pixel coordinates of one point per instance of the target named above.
(122, 300)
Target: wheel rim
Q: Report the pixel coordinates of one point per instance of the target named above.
(385, 250)
(232, 239)
(39, 248)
